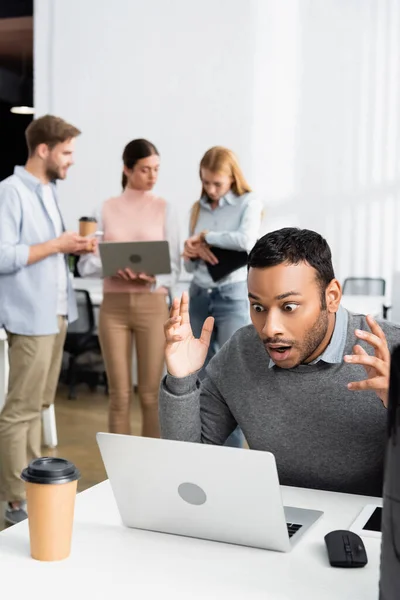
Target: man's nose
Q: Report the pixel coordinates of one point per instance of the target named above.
(272, 326)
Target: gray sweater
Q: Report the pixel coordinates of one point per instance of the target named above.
(323, 435)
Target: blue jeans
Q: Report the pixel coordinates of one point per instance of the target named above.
(229, 306)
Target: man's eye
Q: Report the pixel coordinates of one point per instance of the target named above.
(257, 308)
(290, 307)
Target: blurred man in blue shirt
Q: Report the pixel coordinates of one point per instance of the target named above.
(36, 296)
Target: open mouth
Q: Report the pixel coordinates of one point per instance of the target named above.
(279, 353)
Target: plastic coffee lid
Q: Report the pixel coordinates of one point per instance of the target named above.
(88, 219)
(50, 470)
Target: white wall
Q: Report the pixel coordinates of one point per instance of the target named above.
(306, 92)
(329, 109)
(178, 73)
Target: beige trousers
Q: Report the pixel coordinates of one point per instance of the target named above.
(35, 363)
(125, 318)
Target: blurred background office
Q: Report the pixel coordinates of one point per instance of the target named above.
(306, 93)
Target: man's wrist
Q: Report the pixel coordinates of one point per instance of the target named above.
(54, 246)
(179, 386)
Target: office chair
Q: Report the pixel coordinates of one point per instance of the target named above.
(364, 286)
(82, 338)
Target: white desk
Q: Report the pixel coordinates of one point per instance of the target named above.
(111, 561)
(95, 287)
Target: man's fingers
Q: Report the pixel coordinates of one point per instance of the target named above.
(174, 311)
(184, 308)
(170, 325)
(381, 367)
(375, 383)
(357, 349)
(206, 332)
(375, 327)
(171, 339)
(175, 338)
(373, 340)
(376, 338)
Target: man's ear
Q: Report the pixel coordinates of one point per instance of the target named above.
(42, 151)
(333, 295)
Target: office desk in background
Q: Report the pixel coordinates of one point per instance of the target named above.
(95, 288)
(109, 560)
(365, 305)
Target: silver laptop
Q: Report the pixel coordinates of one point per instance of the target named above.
(141, 257)
(198, 490)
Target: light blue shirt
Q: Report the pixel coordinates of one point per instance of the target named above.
(333, 353)
(28, 293)
(233, 225)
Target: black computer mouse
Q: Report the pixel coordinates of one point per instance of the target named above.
(345, 549)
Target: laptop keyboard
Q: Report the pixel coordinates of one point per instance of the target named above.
(293, 528)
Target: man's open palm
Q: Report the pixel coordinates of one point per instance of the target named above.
(185, 354)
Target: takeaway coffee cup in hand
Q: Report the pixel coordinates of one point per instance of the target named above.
(87, 226)
(50, 492)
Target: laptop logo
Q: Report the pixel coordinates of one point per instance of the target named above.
(135, 258)
(192, 494)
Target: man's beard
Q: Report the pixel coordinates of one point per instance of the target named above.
(53, 173)
(314, 337)
(312, 341)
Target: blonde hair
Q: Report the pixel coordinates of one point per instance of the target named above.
(220, 160)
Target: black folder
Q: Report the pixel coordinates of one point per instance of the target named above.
(229, 261)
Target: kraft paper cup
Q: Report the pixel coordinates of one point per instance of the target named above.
(50, 492)
(87, 226)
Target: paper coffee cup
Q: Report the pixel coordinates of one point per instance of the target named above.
(87, 226)
(50, 492)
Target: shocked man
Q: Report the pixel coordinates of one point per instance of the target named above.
(307, 381)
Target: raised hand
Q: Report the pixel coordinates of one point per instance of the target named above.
(377, 367)
(185, 354)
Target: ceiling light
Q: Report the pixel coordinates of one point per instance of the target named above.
(22, 110)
